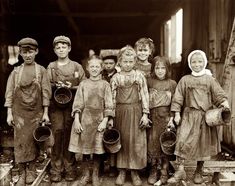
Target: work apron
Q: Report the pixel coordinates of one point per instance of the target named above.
(27, 112)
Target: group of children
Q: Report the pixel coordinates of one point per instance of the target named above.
(141, 101)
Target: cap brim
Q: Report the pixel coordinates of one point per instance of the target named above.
(28, 46)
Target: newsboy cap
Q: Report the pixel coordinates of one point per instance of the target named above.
(62, 39)
(28, 42)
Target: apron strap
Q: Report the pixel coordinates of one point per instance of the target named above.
(18, 78)
(21, 68)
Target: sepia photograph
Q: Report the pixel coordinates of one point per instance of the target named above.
(117, 92)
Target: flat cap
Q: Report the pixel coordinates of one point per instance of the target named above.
(109, 54)
(62, 39)
(28, 42)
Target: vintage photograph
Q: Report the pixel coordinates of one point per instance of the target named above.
(117, 92)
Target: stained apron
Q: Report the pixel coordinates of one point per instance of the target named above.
(133, 154)
(27, 112)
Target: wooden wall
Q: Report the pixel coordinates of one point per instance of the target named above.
(207, 26)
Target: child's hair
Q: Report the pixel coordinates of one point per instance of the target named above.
(61, 39)
(165, 61)
(126, 51)
(142, 42)
(95, 57)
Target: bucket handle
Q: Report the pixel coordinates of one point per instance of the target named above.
(44, 123)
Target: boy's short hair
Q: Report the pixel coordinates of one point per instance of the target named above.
(28, 43)
(61, 39)
(145, 41)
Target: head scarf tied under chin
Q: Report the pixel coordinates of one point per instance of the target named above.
(204, 70)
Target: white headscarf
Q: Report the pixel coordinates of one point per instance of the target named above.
(204, 70)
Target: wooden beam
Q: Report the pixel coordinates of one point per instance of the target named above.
(41, 175)
(210, 166)
(94, 14)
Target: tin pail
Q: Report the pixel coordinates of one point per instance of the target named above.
(167, 141)
(62, 96)
(111, 140)
(218, 116)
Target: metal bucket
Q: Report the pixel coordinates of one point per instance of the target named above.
(44, 137)
(111, 140)
(42, 133)
(218, 116)
(62, 96)
(167, 141)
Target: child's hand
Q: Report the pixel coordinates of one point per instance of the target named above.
(102, 125)
(177, 118)
(110, 123)
(170, 123)
(45, 118)
(10, 120)
(68, 84)
(77, 126)
(144, 122)
(225, 104)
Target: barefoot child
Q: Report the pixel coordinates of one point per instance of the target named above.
(91, 110)
(130, 95)
(195, 94)
(161, 88)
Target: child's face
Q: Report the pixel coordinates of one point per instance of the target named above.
(127, 63)
(109, 65)
(28, 55)
(62, 50)
(143, 52)
(160, 71)
(197, 63)
(94, 67)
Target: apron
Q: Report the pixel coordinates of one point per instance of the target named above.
(27, 112)
(133, 154)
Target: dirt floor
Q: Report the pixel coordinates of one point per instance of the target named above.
(110, 181)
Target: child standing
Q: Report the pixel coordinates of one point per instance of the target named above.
(63, 72)
(28, 94)
(144, 48)
(92, 108)
(195, 94)
(131, 102)
(109, 63)
(161, 88)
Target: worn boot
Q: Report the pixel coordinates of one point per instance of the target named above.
(85, 177)
(152, 175)
(30, 173)
(135, 178)
(179, 175)
(164, 176)
(95, 174)
(197, 178)
(95, 177)
(215, 179)
(121, 177)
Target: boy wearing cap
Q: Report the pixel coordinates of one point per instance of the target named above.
(68, 73)
(109, 63)
(28, 94)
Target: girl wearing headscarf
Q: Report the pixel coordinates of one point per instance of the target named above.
(195, 94)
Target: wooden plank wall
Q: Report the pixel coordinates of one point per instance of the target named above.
(207, 25)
